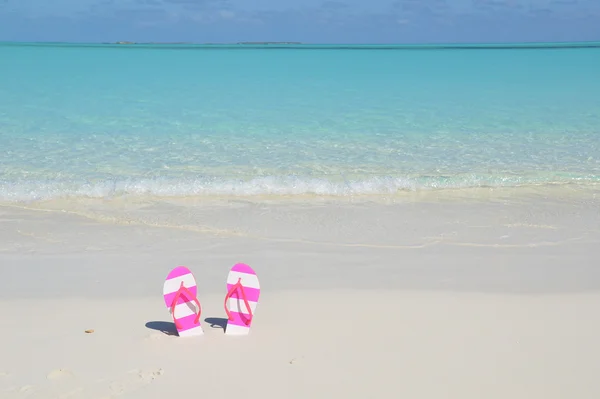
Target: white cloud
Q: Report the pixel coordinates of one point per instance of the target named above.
(226, 14)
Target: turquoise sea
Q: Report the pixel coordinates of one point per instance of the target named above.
(104, 120)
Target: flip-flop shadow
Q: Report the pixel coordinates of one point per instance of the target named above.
(164, 327)
(216, 322)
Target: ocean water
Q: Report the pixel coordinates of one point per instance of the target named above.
(106, 121)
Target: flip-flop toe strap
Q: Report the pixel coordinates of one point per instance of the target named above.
(230, 293)
(183, 289)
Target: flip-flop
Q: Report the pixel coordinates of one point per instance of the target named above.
(180, 293)
(243, 291)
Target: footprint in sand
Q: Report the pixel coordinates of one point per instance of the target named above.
(154, 336)
(133, 380)
(4, 374)
(25, 390)
(63, 384)
(71, 393)
(59, 374)
(161, 335)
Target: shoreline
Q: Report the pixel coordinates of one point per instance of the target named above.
(529, 192)
(377, 188)
(540, 245)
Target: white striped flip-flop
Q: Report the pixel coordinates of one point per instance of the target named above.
(180, 293)
(243, 291)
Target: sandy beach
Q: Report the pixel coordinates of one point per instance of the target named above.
(485, 298)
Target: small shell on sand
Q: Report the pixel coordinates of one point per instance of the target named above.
(89, 331)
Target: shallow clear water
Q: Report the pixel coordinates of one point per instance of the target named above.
(105, 120)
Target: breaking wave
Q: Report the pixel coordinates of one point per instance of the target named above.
(37, 190)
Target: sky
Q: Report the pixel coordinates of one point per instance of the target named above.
(307, 21)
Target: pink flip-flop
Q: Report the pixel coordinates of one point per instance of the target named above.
(243, 291)
(180, 293)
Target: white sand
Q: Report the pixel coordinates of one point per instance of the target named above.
(454, 299)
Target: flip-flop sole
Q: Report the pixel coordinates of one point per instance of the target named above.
(236, 305)
(185, 309)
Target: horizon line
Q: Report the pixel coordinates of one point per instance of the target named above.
(290, 42)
